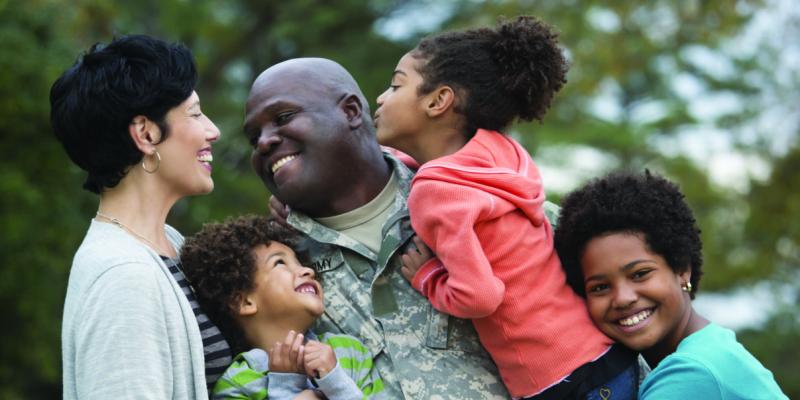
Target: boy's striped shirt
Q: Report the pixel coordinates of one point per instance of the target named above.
(216, 350)
(248, 377)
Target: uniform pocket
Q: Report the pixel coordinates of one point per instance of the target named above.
(436, 329)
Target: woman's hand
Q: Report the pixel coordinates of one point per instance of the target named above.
(414, 258)
(288, 356)
(319, 359)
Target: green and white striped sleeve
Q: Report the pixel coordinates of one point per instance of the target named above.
(355, 360)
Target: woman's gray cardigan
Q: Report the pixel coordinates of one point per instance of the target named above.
(128, 329)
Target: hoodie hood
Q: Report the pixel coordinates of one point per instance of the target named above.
(496, 164)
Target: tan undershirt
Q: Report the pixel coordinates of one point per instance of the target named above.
(364, 223)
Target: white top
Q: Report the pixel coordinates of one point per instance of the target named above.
(128, 329)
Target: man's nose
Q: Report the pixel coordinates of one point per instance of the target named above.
(267, 140)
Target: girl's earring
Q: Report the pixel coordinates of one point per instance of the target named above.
(687, 287)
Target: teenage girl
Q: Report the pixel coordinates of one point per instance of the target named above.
(631, 246)
(477, 202)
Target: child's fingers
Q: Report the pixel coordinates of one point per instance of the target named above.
(279, 211)
(317, 368)
(406, 272)
(299, 360)
(312, 347)
(411, 259)
(289, 338)
(275, 354)
(422, 248)
(297, 342)
(307, 394)
(271, 355)
(308, 367)
(411, 262)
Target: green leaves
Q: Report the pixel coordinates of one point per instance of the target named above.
(648, 81)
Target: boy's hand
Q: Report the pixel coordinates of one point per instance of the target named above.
(414, 258)
(288, 356)
(308, 394)
(319, 359)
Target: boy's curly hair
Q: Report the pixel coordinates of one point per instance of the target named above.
(218, 262)
(634, 203)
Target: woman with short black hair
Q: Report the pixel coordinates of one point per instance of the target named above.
(128, 115)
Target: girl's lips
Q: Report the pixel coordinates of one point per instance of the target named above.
(635, 321)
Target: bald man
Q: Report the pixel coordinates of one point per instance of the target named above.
(314, 148)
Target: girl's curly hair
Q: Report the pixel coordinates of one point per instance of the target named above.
(624, 202)
(501, 73)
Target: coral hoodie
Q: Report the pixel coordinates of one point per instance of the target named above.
(480, 210)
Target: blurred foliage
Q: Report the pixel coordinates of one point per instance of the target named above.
(621, 106)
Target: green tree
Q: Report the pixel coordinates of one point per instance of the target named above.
(625, 105)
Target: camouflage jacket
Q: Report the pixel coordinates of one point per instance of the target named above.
(419, 352)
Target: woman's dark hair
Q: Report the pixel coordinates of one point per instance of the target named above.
(94, 101)
(513, 70)
(640, 204)
(219, 263)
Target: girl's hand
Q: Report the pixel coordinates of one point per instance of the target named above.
(319, 359)
(288, 356)
(414, 258)
(278, 211)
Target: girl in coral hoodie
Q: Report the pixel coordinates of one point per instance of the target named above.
(477, 201)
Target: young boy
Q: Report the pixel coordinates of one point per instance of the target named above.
(252, 286)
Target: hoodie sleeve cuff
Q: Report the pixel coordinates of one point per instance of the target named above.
(426, 272)
(285, 385)
(338, 385)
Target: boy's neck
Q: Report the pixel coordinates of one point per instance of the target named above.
(264, 336)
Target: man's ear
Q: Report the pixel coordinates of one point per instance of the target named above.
(244, 305)
(353, 109)
(145, 133)
(439, 101)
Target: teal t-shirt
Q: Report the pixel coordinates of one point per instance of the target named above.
(710, 364)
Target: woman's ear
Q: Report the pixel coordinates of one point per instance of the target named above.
(439, 101)
(243, 305)
(145, 134)
(353, 109)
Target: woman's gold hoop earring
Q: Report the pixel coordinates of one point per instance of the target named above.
(158, 164)
(687, 287)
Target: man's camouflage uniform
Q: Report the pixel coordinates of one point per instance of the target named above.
(420, 352)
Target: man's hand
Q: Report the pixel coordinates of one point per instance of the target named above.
(278, 211)
(414, 258)
(288, 356)
(319, 359)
